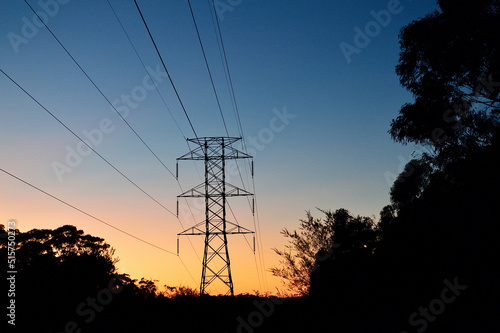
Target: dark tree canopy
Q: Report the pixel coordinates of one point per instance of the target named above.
(442, 223)
(410, 183)
(338, 234)
(57, 269)
(450, 62)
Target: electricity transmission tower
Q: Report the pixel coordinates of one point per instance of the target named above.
(216, 265)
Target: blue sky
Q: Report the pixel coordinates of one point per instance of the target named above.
(283, 55)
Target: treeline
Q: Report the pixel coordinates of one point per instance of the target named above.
(427, 265)
(66, 281)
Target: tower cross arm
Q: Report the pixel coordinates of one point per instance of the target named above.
(235, 229)
(195, 192)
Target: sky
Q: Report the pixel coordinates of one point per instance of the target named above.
(315, 87)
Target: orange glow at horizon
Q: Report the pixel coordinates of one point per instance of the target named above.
(139, 260)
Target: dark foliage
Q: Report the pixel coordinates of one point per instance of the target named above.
(442, 223)
(450, 61)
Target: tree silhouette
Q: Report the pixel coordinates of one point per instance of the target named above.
(56, 270)
(338, 234)
(450, 62)
(442, 218)
(180, 291)
(410, 184)
(298, 257)
(442, 222)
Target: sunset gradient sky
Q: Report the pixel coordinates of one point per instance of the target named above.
(285, 56)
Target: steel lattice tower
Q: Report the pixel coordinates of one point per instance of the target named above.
(214, 151)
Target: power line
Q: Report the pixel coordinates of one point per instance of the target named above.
(256, 224)
(208, 67)
(233, 99)
(78, 209)
(144, 66)
(83, 141)
(168, 109)
(228, 72)
(185, 267)
(100, 91)
(229, 83)
(173, 85)
(225, 62)
(156, 88)
(104, 159)
(215, 92)
(229, 80)
(85, 213)
(99, 220)
(95, 86)
(165, 67)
